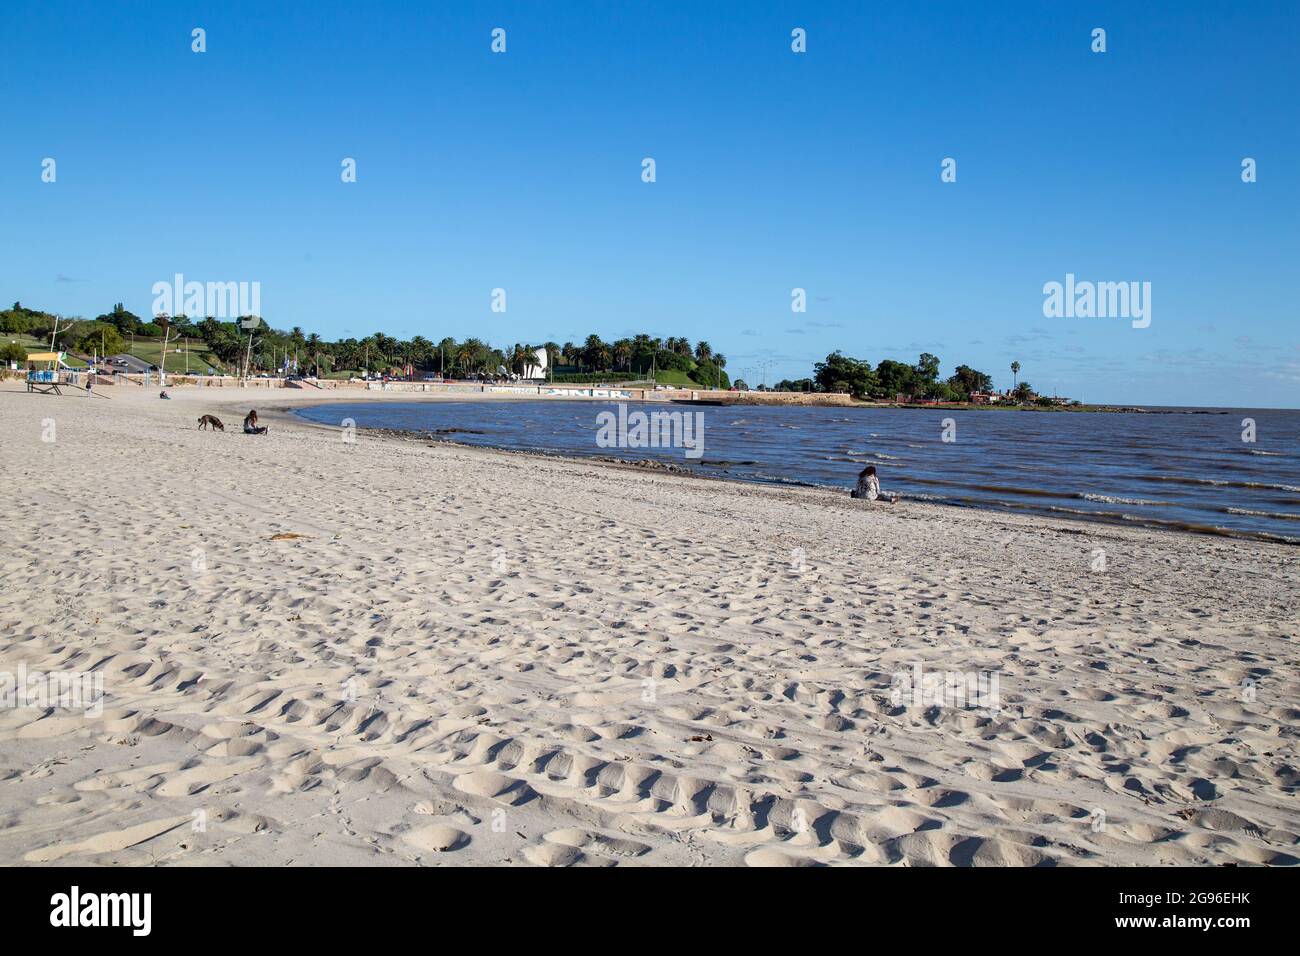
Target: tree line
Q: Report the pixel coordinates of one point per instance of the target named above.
(890, 379)
(638, 356)
(672, 359)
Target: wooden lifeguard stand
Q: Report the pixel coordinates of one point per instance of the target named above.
(46, 381)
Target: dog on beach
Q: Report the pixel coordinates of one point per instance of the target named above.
(213, 420)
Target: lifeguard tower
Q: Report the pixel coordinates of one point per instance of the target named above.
(46, 380)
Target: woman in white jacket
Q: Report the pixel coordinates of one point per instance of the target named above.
(869, 486)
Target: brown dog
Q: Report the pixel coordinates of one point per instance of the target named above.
(213, 420)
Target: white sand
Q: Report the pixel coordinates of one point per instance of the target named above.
(479, 657)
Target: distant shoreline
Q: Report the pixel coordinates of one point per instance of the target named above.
(334, 390)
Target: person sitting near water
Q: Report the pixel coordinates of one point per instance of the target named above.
(869, 486)
(250, 424)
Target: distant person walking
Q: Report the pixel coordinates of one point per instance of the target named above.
(869, 486)
(250, 424)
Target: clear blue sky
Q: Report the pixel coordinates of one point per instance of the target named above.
(775, 170)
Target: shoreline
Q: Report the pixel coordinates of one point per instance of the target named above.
(289, 414)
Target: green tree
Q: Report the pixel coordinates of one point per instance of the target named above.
(595, 354)
(313, 349)
(927, 368)
(552, 355)
(966, 380)
(796, 385)
(894, 378)
(1015, 372)
(710, 376)
(840, 373)
(126, 322)
(621, 351)
(101, 338)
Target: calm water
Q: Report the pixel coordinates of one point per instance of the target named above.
(1184, 469)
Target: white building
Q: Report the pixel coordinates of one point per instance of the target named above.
(537, 368)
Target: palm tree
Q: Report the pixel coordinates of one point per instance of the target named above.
(703, 351)
(296, 336)
(465, 355)
(421, 351)
(622, 353)
(1015, 371)
(595, 353)
(473, 355)
(520, 358)
(369, 353)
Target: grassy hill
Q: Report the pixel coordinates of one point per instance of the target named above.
(38, 345)
(147, 350)
(150, 350)
(674, 377)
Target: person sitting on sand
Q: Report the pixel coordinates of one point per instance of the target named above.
(250, 424)
(869, 486)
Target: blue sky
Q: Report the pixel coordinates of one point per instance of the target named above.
(775, 170)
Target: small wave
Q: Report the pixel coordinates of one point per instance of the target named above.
(1278, 515)
(1081, 513)
(876, 455)
(1114, 500)
(1218, 483)
(879, 456)
(783, 480)
(1271, 454)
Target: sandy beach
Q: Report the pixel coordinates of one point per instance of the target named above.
(393, 652)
